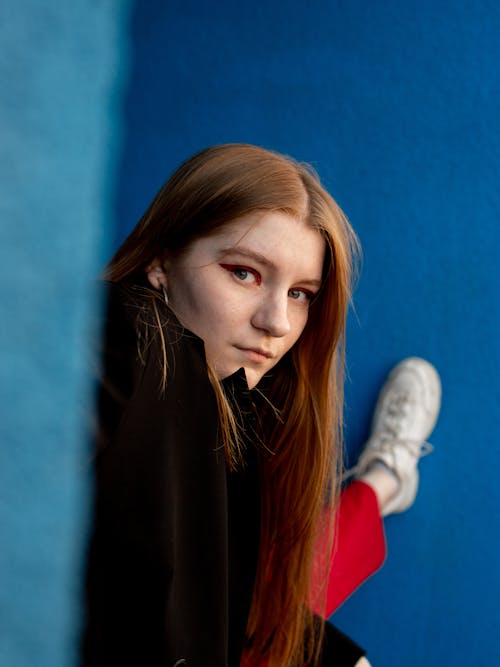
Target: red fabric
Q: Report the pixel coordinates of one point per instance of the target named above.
(359, 549)
(359, 546)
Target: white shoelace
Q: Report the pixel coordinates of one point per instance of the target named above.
(414, 448)
(386, 440)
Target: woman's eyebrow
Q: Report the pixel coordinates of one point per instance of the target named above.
(251, 254)
(262, 259)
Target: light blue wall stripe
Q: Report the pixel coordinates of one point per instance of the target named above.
(62, 68)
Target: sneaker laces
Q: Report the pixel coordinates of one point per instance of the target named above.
(396, 413)
(395, 448)
(386, 440)
(415, 448)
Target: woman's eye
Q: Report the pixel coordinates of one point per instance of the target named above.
(243, 273)
(300, 295)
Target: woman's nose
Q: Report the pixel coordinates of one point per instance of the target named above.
(271, 315)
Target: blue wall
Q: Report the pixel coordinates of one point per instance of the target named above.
(393, 103)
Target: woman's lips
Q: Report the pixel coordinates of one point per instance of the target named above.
(255, 353)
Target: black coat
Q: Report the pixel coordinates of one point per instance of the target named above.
(174, 541)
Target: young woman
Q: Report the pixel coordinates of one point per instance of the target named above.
(220, 415)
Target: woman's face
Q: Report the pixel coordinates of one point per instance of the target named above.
(246, 290)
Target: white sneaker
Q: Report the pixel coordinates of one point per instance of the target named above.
(405, 415)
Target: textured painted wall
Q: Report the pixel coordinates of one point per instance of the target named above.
(60, 67)
(394, 103)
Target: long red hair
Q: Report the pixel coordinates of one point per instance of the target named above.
(300, 472)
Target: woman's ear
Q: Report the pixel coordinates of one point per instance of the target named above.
(156, 274)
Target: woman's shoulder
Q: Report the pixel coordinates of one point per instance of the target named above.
(139, 327)
(125, 303)
(147, 363)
